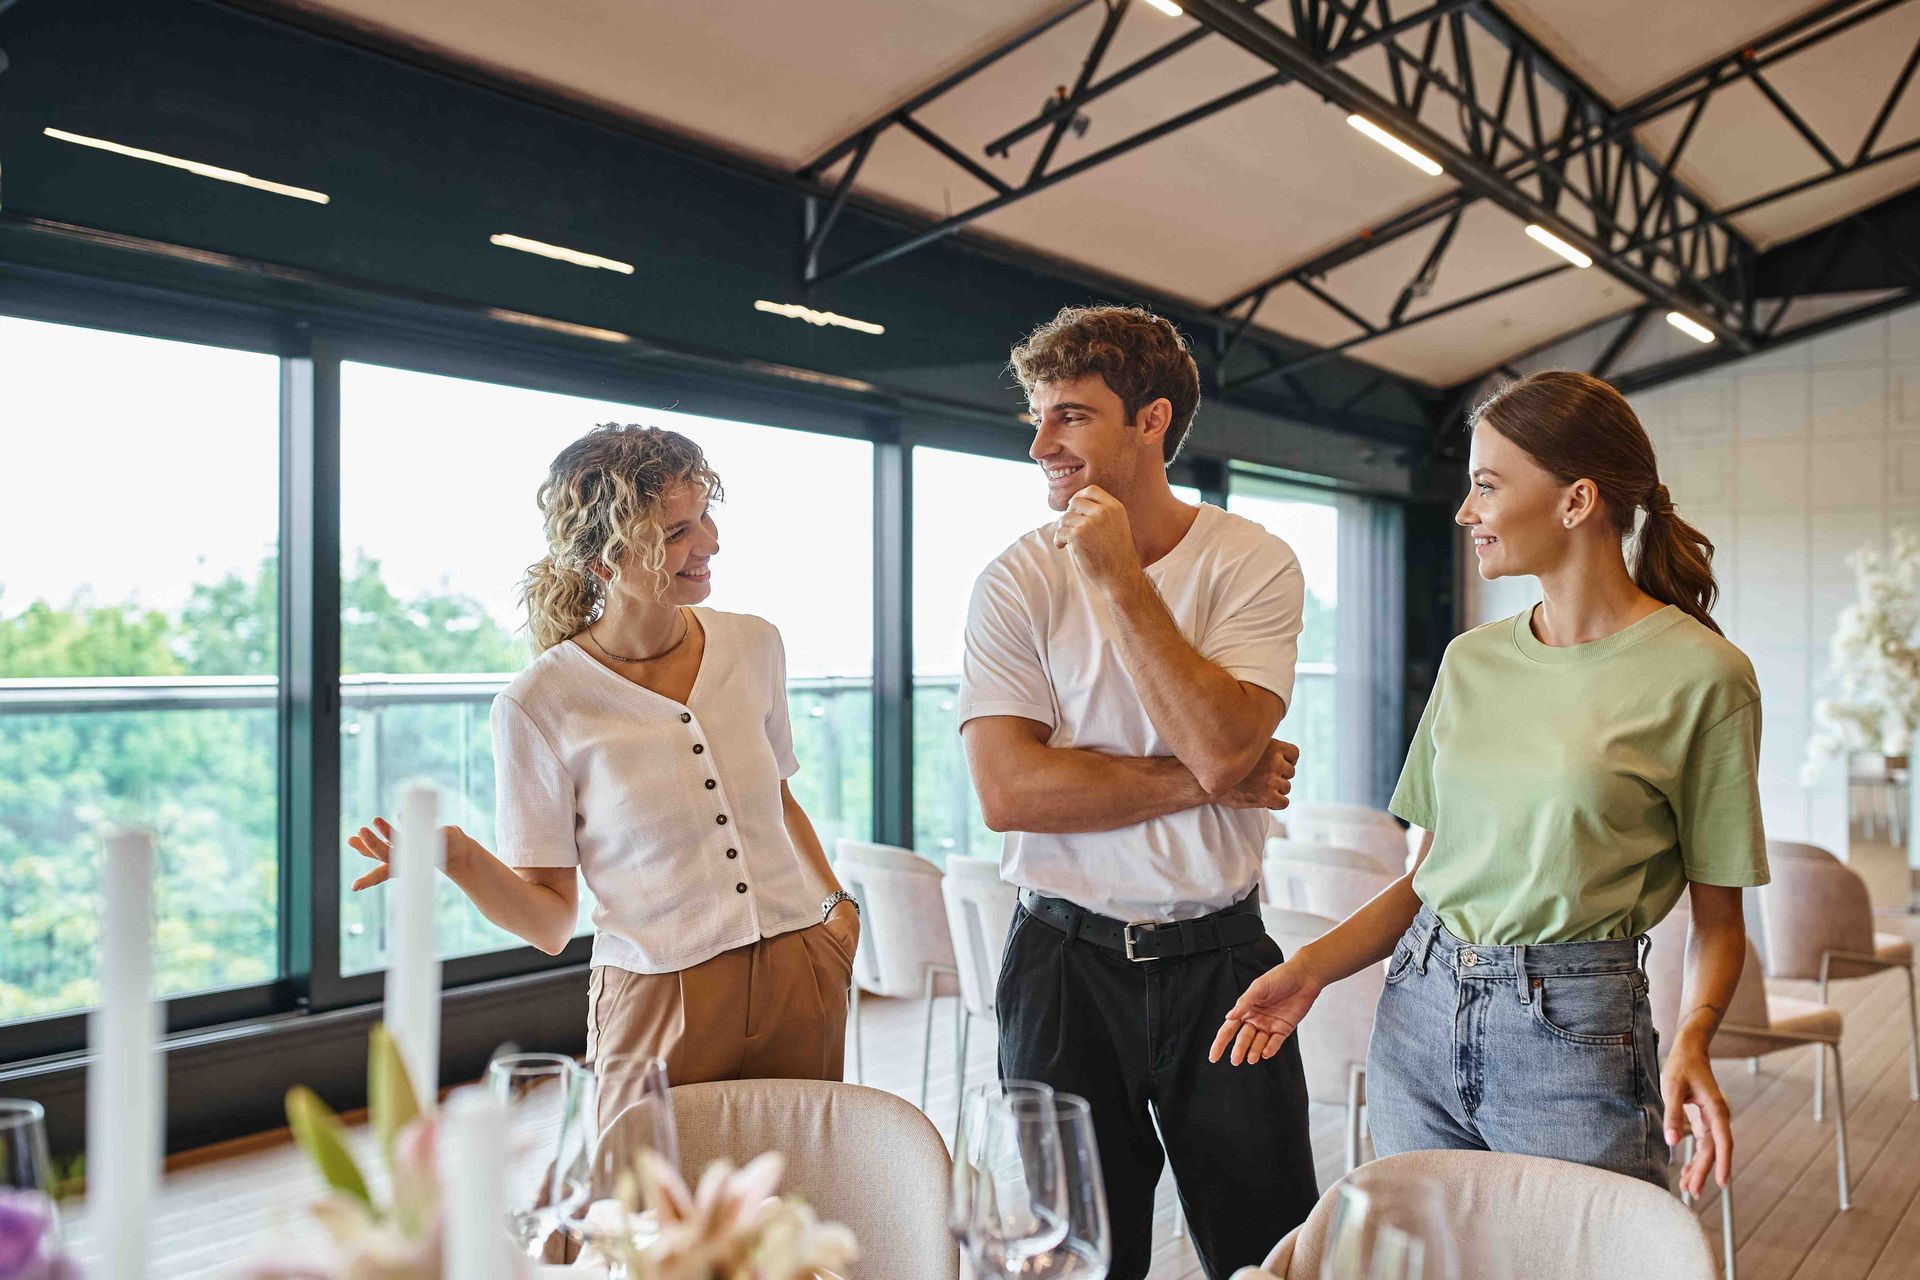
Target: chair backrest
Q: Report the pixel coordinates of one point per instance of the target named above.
(1335, 855)
(903, 918)
(1374, 832)
(1318, 811)
(1603, 1224)
(1333, 1039)
(980, 910)
(1321, 879)
(1813, 905)
(858, 1156)
(1667, 969)
(1777, 849)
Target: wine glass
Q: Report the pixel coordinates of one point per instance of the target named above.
(1349, 1237)
(26, 1177)
(625, 1109)
(1009, 1201)
(1412, 1237)
(1086, 1252)
(541, 1094)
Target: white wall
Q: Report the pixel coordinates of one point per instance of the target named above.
(1788, 461)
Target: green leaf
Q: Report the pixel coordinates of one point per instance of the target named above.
(390, 1095)
(322, 1137)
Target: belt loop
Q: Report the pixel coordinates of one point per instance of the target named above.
(1520, 974)
(1425, 948)
(1642, 945)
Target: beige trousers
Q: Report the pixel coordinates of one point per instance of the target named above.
(773, 1009)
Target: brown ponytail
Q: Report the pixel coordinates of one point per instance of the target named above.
(1580, 428)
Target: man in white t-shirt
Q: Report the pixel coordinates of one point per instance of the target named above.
(1125, 671)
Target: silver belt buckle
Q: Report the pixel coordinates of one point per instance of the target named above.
(1126, 935)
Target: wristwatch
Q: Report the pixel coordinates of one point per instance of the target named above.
(835, 899)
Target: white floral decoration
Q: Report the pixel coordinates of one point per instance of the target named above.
(1874, 659)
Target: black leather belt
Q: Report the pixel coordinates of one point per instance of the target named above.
(1150, 940)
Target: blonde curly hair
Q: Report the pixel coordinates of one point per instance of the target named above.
(601, 505)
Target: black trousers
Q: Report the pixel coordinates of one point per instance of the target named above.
(1132, 1039)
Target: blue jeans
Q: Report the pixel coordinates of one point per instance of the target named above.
(1543, 1051)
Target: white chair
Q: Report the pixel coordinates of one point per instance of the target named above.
(1522, 1216)
(905, 949)
(980, 907)
(1323, 879)
(1333, 1039)
(858, 1156)
(1349, 826)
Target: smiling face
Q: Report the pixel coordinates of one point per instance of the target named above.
(1082, 437)
(690, 540)
(1516, 509)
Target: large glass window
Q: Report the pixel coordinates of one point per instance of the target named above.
(139, 487)
(438, 523)
(1309, 522)
(967, 509)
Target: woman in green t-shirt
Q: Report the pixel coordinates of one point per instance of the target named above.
(1577, 768)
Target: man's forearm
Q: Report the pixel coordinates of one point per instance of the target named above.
(1065, 790)
(1206, 717)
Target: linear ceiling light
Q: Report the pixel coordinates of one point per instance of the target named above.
(191, 166)
(558, 326)
(1167, 7)
(560, 253)
(794, 311)
(1559, 246)
(1426, 164)
(1689, 326)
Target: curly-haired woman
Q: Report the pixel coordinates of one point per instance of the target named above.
(647, 746)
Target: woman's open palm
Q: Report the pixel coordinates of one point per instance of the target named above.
(1267, 1013)
(376, 842)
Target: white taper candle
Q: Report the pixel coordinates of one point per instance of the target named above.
(473, 1183)
(124, 1095)
(413, 960)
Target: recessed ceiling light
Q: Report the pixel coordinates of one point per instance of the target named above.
(558, 326)
(1559, 246)
(1689, 326)
(794, 311)
(560, 253)
(1425, 163)
(1167, 7)
(191, 166)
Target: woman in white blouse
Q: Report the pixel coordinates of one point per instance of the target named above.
(648, 746)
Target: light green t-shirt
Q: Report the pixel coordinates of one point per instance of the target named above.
(1572, 792)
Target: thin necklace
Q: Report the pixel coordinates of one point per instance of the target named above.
(685, 627)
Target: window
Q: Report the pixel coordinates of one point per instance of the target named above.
(438, 523)
(139, 490)
(1309, 522)
(967, 509)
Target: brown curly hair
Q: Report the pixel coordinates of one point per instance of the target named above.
(600, 503)
(1141, 357)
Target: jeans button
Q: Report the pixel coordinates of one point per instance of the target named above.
(1469, 957)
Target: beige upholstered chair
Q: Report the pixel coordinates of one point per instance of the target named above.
(1819, 926)
(905, 949)
(1324, 879)
(1527, 1216)
(1349, 826)
(859, 1156)
(1333, 1039)
(980, 907)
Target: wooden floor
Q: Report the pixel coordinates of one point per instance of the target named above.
(224, 1208)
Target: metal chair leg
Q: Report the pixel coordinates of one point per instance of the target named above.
(1819, 1060)
(1840, 1131)
(1355, 1075)
(859, 1044)
(1913, 1042)
(926, 1040)
(960, 1068)
(1726, 1230)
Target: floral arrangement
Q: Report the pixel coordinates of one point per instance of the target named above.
(1875, 659)
(732, 1227)
(28, 1242)
(399, 1240)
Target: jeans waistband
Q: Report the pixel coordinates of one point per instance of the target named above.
(1431, 940)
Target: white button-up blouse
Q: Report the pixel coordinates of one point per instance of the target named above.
(671, 811)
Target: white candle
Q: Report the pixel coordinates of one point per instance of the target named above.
(124, 1095)
(413, 959)
(473, 1187)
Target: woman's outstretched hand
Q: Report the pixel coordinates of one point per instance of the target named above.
(376, 842)
(1267, 1013)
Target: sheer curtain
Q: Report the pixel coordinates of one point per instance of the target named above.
(1370, 650)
